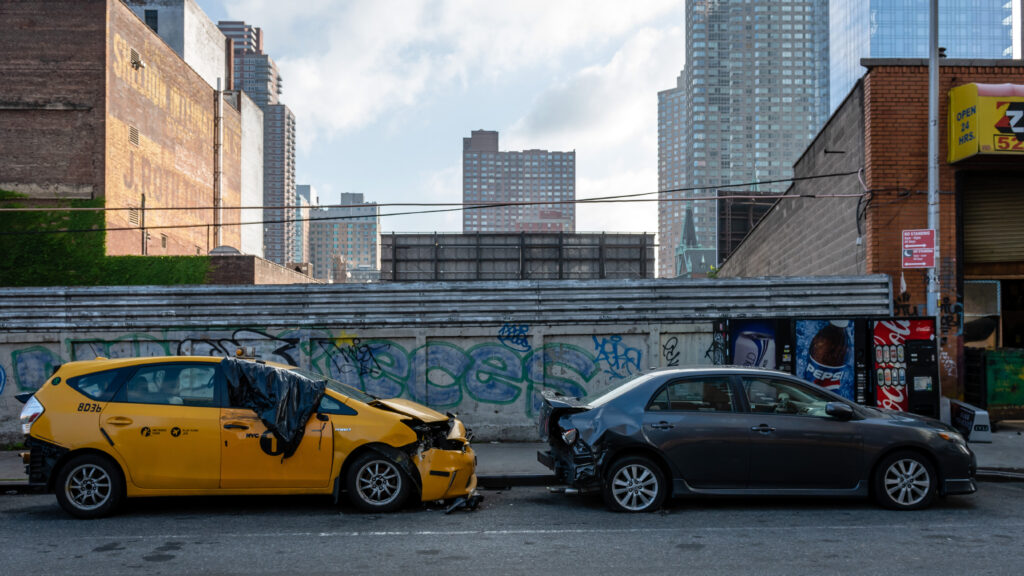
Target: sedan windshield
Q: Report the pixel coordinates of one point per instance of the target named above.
(620, 390)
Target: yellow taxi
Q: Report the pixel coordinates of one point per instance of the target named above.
(101, 430)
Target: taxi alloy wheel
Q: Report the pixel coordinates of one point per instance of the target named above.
(89, 486)
(376, 484)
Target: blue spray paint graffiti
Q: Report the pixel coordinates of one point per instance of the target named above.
(440, 374)
(515, 336)
(3, 379)
(620, 361)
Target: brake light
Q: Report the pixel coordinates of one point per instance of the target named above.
(30, 413)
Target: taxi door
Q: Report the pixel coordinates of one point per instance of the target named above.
(252, 459)
(164, 422)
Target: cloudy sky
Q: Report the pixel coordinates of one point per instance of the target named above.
(384, 91)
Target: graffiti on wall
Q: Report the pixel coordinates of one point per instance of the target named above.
(901, 305)
(439, 373)
(670, 352)
(515, 336)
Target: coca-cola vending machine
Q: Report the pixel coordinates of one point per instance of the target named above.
(906, 368)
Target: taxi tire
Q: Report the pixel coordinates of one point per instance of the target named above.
(107, 482)
(371, 467)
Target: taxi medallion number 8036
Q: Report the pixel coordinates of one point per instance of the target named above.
(89, 407)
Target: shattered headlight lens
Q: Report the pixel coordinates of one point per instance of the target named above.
(569, 436)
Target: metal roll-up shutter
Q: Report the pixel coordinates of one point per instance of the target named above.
(994, 224)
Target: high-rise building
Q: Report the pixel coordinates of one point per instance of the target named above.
(889, 29)
(256, 74)
(752, 94)
(540, 187)
(348, 234)
(305, 198)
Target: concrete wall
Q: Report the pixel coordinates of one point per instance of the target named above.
(482, 349)
(252, 176)
(53, 99)
(184, 26)
(814, 236)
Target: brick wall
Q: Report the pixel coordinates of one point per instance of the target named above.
(53, 97)
(813, 236)
(172, 109)
(246, 269)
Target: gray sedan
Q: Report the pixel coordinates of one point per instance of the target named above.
(744, 431)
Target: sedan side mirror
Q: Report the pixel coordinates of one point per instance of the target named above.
(839, 411)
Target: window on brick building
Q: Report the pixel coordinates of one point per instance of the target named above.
(151, 20)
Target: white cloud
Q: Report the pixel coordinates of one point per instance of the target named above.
(345, 64)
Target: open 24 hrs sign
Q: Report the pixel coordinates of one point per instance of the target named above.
(919, 248)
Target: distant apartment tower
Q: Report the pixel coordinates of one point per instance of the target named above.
(751, 96)
(257, 75)
(968, 29)
(540, 186)
(348, 234)
(305, 198)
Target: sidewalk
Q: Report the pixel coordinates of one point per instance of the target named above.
(1003, 459)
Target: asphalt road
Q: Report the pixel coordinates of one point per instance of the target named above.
(519, 531)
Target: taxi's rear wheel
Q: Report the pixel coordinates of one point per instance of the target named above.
(89, 486)
(377, 484)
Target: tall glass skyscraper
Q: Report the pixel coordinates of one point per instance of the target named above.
(752, 94)
(899, 29)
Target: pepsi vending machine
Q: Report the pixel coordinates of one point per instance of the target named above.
(764, 343)
(833, 355)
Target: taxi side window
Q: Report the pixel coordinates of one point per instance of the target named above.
(99, 386)
(173, 384)
(329, 405)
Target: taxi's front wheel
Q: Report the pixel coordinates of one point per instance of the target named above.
(376, 484)
(89, 486)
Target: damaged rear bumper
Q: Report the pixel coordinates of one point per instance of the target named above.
(578, 468)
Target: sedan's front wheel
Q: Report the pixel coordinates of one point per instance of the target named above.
(635, 484)
(905, 481)
(376, 484)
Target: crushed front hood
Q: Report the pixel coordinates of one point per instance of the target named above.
(410, 408)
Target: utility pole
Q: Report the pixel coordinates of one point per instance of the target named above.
(934, 291)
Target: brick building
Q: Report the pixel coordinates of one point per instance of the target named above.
(96, 105)
(868, 168)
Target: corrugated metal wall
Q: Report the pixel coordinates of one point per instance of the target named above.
(484, 350)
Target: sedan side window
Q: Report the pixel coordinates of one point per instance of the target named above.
(769, 395)
(696, 395)
(173, 384)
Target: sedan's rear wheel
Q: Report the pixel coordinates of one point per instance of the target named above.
(635, 484)
(89, 486)
(376, 484)
(905, 481)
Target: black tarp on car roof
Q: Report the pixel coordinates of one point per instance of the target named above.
(284, 400)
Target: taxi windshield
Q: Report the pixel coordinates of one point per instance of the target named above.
(339, 387)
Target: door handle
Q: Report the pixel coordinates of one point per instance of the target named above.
(763, 429)
(662, 426)
(235, 427)
(119, 421)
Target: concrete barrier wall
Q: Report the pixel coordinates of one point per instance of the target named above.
(490, 376)
(481, 349)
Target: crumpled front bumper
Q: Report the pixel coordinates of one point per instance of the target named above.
(446, 474)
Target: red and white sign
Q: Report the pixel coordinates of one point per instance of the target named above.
(919, 248)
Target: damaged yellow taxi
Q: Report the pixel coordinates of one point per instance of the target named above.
(103, 430)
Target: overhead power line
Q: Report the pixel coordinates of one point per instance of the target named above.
(442, 206)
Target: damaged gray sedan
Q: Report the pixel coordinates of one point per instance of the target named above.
(746, 431)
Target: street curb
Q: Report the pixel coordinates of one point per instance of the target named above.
(505, 481)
